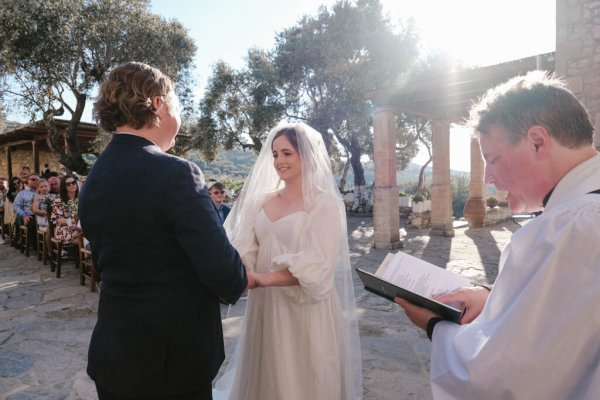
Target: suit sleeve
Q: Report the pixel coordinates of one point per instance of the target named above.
(191, 213)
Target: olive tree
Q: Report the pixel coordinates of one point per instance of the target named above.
(55, 53)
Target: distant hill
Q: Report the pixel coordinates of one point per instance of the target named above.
(236, 164)
(232, 167)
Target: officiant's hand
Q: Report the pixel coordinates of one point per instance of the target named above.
(418, 315)
(472, 298)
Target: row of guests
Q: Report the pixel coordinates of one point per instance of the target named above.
(28, 205)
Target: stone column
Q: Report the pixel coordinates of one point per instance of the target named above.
(577, 53)
(441, 190)
(474, 210)
(386, 213)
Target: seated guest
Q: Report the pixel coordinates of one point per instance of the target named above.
(54, 183)
(3, 193)
(23, 206)
(40, 203)
(24, 174)
(217, 194)
(14, 188)
(64, 211)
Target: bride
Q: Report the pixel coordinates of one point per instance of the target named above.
(299, 339)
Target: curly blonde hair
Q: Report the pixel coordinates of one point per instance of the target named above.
(125, 97)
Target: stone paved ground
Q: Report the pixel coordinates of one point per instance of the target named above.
(45, 323)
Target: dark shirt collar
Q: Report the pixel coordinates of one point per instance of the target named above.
(547, 197)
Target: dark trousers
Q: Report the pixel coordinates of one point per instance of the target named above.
(203, 394)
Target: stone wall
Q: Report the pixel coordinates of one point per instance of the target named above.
(496, 215)
(420, 220)
(578, 52)
(22, 158)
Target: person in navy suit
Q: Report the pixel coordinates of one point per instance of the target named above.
(163, 256)
(217, 193)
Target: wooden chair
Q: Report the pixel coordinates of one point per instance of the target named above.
(86, 268)
(42, 250)
(13, 235)
(24, 239)
(8, 228)
(60, 252)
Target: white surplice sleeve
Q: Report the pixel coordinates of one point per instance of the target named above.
(537, 336)
(315, 261)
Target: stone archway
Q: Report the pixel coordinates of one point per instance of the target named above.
(443, 100)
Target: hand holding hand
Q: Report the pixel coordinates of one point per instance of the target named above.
(472, 298)
(251, 279)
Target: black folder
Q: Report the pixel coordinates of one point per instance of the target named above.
(387, 290)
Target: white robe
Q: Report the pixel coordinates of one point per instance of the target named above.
(538, 336)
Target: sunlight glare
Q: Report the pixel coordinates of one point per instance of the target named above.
(481, 32)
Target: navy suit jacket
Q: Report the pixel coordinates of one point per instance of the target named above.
(164, 261)
(225, 210)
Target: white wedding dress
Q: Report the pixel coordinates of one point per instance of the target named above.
(297, 342)
(293, 339)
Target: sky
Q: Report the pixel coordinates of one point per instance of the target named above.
(477, 32)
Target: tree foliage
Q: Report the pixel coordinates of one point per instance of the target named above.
(56, 52)
(239, 107)
(318, 72)
(413, 133)
(460, 182)
(329, 61)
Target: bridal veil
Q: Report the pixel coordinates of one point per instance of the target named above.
(317, 179)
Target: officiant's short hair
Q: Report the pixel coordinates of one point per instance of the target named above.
(536, 98)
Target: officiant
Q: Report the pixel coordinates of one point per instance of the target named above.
(535, 335)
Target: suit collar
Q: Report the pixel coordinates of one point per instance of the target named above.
(128, 138)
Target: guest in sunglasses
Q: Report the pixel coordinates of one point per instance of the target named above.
(64, 211)
(217, 194)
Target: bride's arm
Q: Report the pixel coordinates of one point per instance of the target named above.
(282, 277)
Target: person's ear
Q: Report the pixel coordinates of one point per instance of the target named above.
(539, 138)
(156, 102)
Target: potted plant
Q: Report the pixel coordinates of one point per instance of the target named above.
(491, 201)
(427, 200)
(417, 203)
(405, 200)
